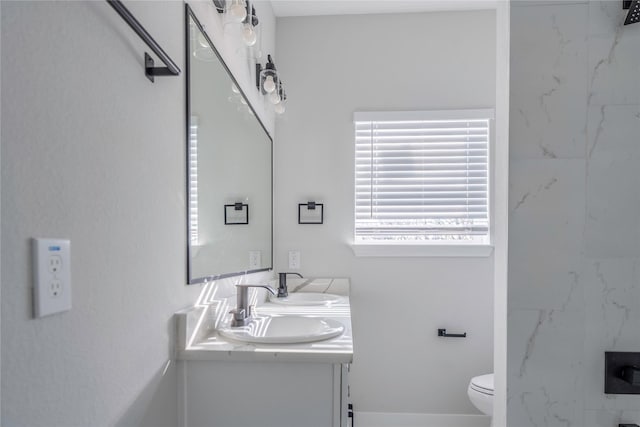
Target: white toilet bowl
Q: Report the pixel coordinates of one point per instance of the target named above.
(480, 392)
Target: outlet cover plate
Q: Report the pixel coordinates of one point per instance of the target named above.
(51, 276)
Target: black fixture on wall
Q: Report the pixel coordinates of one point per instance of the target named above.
(150, 70)
(310, 213)
(269, 70)
(443, 333)
(220, 5)
(634, 11)
(236, 214)
(621, 372)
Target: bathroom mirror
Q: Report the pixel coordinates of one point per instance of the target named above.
(229, 176)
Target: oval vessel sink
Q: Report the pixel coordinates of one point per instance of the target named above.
(285, 330)
(305, 298)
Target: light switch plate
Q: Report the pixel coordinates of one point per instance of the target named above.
(52, 276)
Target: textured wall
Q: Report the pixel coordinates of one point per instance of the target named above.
(94, 152)
(333, 66)
(574, 226)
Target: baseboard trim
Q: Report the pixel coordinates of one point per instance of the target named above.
(388, 419)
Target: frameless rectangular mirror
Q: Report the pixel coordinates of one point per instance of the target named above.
(229, 169)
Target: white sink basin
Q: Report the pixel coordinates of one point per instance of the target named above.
(285, 330)
(305, 298)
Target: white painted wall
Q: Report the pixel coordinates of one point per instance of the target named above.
(94, 152)
(574, 221)
(333, 66)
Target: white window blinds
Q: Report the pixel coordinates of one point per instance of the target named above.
(193, 180)
(422, 176)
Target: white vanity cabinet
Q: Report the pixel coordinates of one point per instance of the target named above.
(231, 384)
(265, 394)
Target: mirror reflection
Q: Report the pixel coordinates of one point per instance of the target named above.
(228, 169)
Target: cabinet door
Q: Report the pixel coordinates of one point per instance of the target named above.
(267, 394)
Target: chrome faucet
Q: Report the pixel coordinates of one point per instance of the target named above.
(282, 284)
(242, 313)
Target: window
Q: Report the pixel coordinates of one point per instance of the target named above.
(422, 177)
(193, 180)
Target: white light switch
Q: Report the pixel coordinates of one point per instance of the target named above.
(52, 276)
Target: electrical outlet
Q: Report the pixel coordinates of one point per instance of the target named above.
(55, 263)
(55, 288)
(255, 260)
(52, 276)
(294, 260)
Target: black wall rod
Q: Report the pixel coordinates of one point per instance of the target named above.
(171, 68)
(443, 333)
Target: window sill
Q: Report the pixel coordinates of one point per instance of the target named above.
(420, 250)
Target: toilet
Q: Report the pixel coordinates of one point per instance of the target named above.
(480, 392)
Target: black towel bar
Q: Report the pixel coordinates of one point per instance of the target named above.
(171, 68)
(443, 333)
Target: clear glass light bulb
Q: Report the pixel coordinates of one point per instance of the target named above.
(274, 97)
(249, 35)
(237, 11)
(279, 108)
(234, 88)
(269, 85)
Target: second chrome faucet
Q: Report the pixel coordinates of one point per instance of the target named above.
(242, 312)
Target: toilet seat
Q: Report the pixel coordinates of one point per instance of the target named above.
(482, 384)
(480, 392)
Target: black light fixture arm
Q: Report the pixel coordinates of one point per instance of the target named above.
(171, 68)
(251, 15)
(220, 5)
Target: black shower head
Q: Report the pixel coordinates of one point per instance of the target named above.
(634, 11)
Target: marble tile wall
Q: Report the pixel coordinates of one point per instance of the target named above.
(574, 222)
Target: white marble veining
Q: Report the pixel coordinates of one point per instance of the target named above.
(613, 324)
(605, 17)
(200, 341)
(614, 65)
(574, 224)
(613, 202)
(543, 389)
(548, 100)
(597, 418)
(543, 198)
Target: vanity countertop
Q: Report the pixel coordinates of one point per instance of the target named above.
(199, 340)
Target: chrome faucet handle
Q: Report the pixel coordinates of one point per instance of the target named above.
(239, 317)
(242, 312)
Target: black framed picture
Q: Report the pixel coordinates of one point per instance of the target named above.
(310, 213)
(236, 214)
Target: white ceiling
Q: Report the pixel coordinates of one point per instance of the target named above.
(358, 7)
